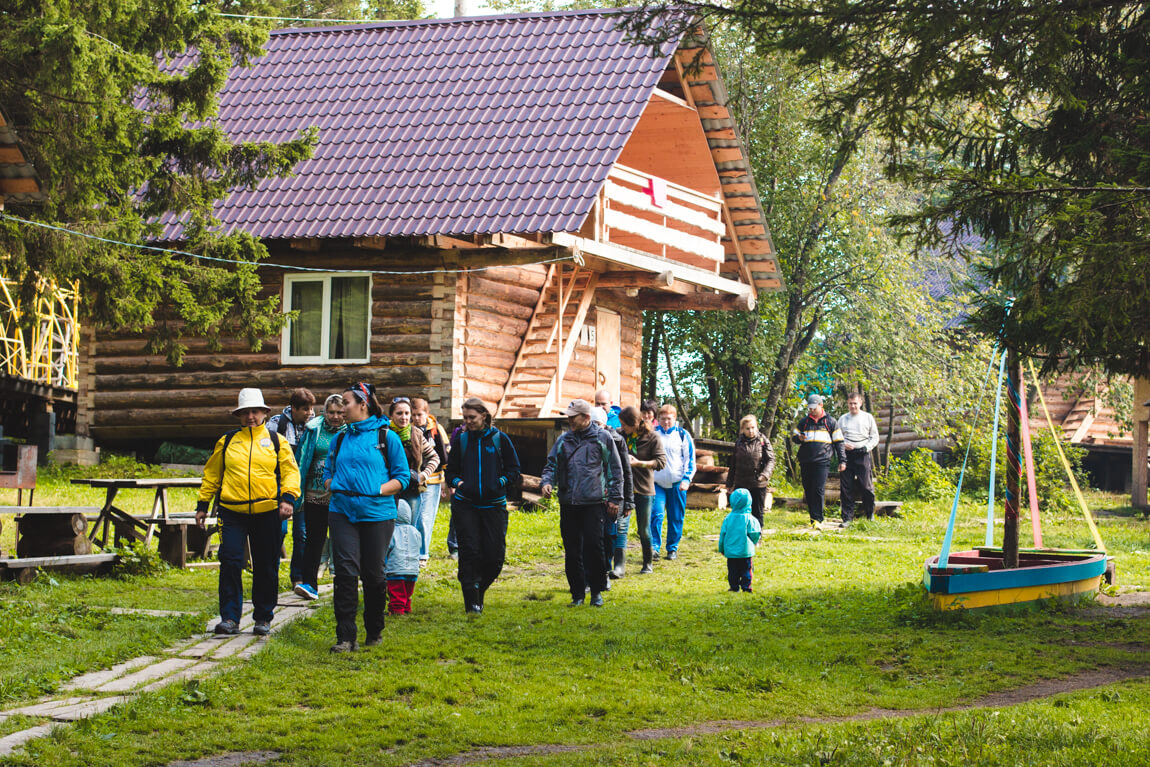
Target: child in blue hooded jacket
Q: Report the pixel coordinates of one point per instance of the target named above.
(402, 565)
(737, 539)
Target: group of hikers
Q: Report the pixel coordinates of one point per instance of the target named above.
(367, 482)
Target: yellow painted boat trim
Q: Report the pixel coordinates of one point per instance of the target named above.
(975, 599)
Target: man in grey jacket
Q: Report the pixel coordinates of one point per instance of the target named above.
(586, 470)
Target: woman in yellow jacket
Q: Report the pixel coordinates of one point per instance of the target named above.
(253, 478)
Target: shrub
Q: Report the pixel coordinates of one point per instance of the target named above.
(1054, 491)
(915, 475)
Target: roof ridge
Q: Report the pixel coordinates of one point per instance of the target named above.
(454, 20)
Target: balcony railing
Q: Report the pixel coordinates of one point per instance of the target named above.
(652, 215)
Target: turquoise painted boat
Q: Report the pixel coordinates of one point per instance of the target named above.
(977, 579)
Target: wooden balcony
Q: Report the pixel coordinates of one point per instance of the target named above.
(642, 212)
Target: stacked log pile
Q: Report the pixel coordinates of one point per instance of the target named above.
(52, 535)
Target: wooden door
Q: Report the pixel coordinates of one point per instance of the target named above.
(607, 352)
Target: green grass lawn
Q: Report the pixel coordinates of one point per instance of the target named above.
(836, 627)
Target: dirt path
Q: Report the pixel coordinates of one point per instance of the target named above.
(1085, 681)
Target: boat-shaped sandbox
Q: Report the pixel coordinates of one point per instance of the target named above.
(977, 579)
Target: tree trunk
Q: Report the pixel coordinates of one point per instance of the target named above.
(889, 434)
(651, 336)
(683, 414)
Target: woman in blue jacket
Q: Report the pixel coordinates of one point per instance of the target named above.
(366, 468)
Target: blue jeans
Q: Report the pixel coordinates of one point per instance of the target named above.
(298, 544)
(672, 500)
(262, 533)
(622, 527)
(428, 508)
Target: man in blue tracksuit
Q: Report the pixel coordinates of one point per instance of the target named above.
(671, 482)
(585, 468)
(481, 465)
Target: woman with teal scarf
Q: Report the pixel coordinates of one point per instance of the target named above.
(314, 499)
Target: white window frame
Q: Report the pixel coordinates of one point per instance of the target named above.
(325, 334)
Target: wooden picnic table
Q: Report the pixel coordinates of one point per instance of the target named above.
(125, 525)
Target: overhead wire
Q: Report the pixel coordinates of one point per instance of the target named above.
(289, 267)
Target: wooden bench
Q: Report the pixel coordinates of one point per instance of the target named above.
(881, 508)
(25, 569)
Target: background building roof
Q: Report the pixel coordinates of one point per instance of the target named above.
(454, 127)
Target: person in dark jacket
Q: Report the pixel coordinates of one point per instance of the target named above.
(752, 465)
(481, 465)
(366, 469)
(615, 535)
(586, 470)
(646, 456)
(291, 425)
(819, 440)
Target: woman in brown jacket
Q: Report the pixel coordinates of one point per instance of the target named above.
(752, 465)
(647, 456)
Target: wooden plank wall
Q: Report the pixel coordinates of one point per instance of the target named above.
(137, 395)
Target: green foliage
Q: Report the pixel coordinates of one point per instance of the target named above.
(111, 466)
(1054, 491)
(137, 559)
(116, 107)
(915, 476)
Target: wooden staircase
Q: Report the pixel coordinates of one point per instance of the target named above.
(534, 388)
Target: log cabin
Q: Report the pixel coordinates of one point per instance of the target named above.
(492, 204)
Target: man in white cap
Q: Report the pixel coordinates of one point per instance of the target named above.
(819, 439)
(253, 480)
(586, 470)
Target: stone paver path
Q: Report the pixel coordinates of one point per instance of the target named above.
(97, 691)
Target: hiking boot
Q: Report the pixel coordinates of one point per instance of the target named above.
(340, 647)
(262, 628)
(596, 599)
(305, 591)
(655, 555)
(227, 627)
(475, 609)
(373, 641)
(648, 557)
(673, 554)
(646, 569)
(576, 602)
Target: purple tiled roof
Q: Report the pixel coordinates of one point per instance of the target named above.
(452, 127)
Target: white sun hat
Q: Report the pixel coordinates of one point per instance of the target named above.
(250, 398)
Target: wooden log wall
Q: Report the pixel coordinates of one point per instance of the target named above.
(492, 311)
(135, 395)
(905, 439)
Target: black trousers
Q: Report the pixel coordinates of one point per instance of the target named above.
(482, 538)
(358, 550)
(315, 522)
(740, 570)
(758, 500)
(857, 484)
(581, 527)
(814, 487)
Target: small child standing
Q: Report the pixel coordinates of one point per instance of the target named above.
(737, 539)
(402, 561)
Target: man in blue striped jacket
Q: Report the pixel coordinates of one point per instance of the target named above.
(819, 439)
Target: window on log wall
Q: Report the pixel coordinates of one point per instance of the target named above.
(334, 321)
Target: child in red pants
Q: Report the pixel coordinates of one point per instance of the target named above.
(403, 559)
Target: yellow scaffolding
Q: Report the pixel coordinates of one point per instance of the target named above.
(49, 352)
